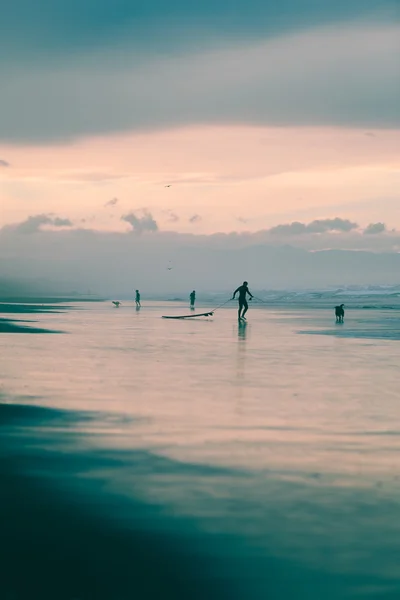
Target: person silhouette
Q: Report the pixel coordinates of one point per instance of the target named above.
(137, 298)
(243, 306)
(192, 299)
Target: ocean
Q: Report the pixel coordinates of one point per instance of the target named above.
(145, 458)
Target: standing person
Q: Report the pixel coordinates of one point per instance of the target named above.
(192, 299)
(243, 306)
(137, 299)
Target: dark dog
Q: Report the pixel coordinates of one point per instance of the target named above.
(339, 312)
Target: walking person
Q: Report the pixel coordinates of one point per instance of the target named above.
(137, 299)
(192, 299)
(243, 291)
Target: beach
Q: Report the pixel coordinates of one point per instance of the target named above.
(201, 458)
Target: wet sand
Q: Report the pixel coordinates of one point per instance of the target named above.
(69, 533)
(143, 458)
(10, 325)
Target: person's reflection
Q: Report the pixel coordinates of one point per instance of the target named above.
(138, 308)
(241, 363)
(242, 330)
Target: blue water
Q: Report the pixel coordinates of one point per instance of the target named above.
(149, 458)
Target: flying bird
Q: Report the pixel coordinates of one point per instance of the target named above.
(116, 303)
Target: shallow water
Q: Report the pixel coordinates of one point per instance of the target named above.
(276, 442)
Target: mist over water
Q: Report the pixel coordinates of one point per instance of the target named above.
(202, 458)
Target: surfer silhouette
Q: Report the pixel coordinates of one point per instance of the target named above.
(137, 298)
(243, 290)
(192, 299)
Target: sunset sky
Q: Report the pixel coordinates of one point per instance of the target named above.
(254, 115)
(235, 139)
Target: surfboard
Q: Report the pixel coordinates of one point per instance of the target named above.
(207, 314)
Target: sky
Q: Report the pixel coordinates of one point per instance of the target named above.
(263, 122)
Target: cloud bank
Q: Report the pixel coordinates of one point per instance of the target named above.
(326, 231)
(119, 262)
(288, 80)
(175, 26)
(34, 223)
(375, 228)
(140, 224)
(317, 226)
